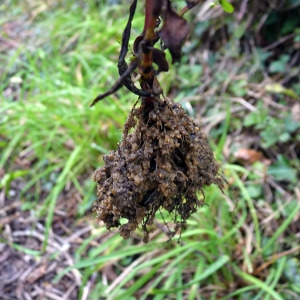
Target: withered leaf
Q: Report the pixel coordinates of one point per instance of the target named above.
(173, 32)
(249, 156)
(159, 58)
(191, 3)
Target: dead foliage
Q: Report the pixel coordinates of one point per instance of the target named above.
(28, 272)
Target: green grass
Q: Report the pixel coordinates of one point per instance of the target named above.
(66, 55)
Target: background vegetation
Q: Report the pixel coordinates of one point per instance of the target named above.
(239, 77)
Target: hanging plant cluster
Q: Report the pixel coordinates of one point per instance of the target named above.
(164, 159)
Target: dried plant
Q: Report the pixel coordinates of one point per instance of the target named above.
(166, 160)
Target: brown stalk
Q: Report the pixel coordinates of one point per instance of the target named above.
(153, 8)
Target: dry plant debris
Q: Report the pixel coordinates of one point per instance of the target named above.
(163, 164)
(31, 275)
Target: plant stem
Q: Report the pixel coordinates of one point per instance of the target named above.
(151, 16)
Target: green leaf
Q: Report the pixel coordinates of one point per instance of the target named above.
(269, 136)
(292, 270)
(279, 66)
(256, 77)
(9, 177)
(254, 190)
(282, 170)
(284, 137)
(251, 119)
(290, 124)
(278, 88)
(238, 88)
(227, 6)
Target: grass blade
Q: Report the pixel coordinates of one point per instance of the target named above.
(57, 189)
(281, 229)
(259, 284)
(209, 271)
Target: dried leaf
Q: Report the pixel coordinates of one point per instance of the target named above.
(36, 274)
(249, 156)
(159, 58)
(296, 112)
(282, 170)
(191, 3)
(174, 32)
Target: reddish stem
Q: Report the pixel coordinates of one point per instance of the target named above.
(151, 15)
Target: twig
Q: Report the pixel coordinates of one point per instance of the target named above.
(274, 258)
(280, 41)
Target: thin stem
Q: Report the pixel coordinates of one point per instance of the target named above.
(152, 13)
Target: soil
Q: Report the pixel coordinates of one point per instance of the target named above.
(163, 161)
